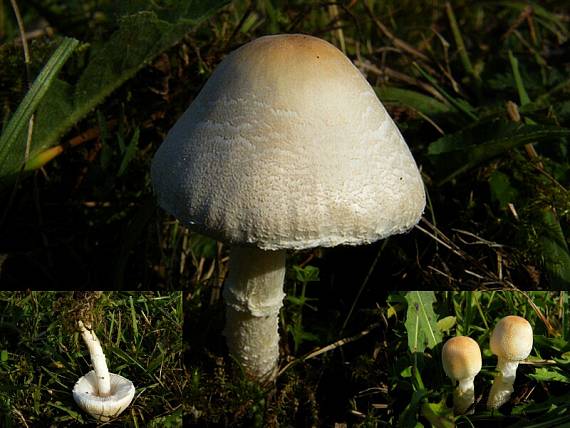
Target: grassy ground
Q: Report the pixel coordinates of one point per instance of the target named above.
(479, 90)
(419, 389)
(42, 356)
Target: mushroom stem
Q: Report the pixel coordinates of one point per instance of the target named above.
(464, 395)
(254, 295)
(503, 384)
(97, 359)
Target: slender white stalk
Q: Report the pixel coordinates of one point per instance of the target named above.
(503, 384)
(464, 395)
(97, 359)
(253, 294)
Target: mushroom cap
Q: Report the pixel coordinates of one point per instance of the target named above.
(287, 146)
(461, 358)
(512, 338)
(103, 408)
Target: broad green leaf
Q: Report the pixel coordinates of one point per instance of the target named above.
(412, 99)
(300, 335)
(421, 321)
(14, 136)
(463, 150)
(409, 417)
(543, 374)
(439, 415)
(174, 420)
(407, 372)
(203, 246)
(555, 250)
(502, 192)
(446, 324)
(306, 274)
(300, 301)
(139, 38)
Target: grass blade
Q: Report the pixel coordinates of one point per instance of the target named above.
(9, 140)
(523, 95)
(412, 99)
(458, 103)
(463, 54)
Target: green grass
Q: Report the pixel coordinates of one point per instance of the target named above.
(420, 391)
(42, 356)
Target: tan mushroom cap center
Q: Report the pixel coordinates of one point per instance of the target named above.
(512, 338)
(461, 358)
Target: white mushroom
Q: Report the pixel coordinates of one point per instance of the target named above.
(461, 359)
(99, 393)
(286, 147)
(511, 342)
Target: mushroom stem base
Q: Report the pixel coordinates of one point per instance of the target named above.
(253, 294)
(503, 384)
(464, 396)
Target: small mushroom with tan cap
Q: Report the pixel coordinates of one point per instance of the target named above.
(511, 342)
(99, 393)
(461, 359)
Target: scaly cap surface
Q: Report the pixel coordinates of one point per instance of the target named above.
(512, 338)
(461, 358)
(287, 146)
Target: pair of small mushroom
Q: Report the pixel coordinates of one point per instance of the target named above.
(511, 341)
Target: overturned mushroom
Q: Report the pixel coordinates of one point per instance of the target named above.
(101, 394)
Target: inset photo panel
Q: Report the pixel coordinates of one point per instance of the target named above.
(493, 359)
(71, 359)
(317, 356)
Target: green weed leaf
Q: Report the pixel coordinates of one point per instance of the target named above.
(439, 415)
(502, 192)
(300, 335)
(306, 274)
(140, 37)
(412, 99)
(555, 252)
(544, 374)
(447, 323)
(173, 420)
(14, 136)
(466, 149)
(409, 417)
(421, 321)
